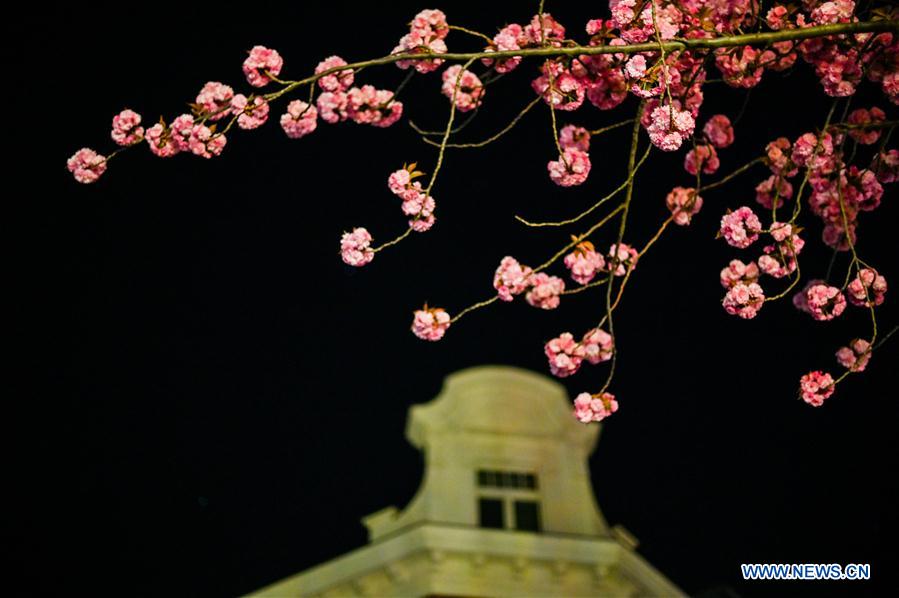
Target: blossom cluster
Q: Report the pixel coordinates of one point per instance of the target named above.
(430, 323)
(566, 354)
(197, 133)
(462, 87)
(594, 408)
(426, 36)
(718, 133)
(855, 357)
(539, 289)
(417, 204)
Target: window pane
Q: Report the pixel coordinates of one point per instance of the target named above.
(490, 513)
(482, 478)
(531, 481)
(527, 516)
(508, 480)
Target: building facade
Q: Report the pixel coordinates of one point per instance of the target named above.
(506, 507)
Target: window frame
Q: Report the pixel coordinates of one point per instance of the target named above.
(490, 484)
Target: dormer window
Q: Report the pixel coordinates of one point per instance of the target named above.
(508, 500)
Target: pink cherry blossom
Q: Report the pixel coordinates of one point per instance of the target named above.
(206, 143)
(421, 208)
(398, 181)
(584, 262)
(867, 289)
(855, 357)
(510, 38)
(636, 67)
(422, 223)
(214, 100)
(740, 67)
(470, 91)
(572, 168)
(800, 299)
(544, 26)
(737, 272)
(606, 88)
(126, 129)
(741, 227)
(573, 137)
(595, 26)
(809, 152)
(598, 345)
(332, 106)
(181, 129)
(594, 408)
(780, 258)
(683, 202)
(815, 387)
(559, 88)
(833, 12)
(336, 81)
(669, 127)
(565, 355)
(719, 131)
(430, 324)
(886, 166)
(252, 113)
(431, 23)
(703, 157)
(544, 291)
(511, 278)
(260, 61)
(419, 41)
(355, 247)
(299, 120)
(862, 117)
(777, 17)
(159, 138)
(744, 300)
(86, 165)
(778, 157)
(367, 105)
(860, 189)
(774, 186)
(825, 302)
(621, 260)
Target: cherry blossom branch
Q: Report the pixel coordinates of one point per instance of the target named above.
(855, 263)
(578, 239)
(440, 154)
(471, 32)
(646, 247)
(425, 133)
(819, 145)
(584, 287)
(728, 41)
(617, 125)
(578, 50)
(492, 138)
(670, 92)
(473, 307)
(730, 176)
(615, 259)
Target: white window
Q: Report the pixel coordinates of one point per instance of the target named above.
(508, 500)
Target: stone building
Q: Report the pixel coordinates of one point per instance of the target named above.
(506, 507)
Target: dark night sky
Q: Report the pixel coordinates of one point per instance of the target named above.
(229, 399)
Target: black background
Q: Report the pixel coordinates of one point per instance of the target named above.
(229, 399)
